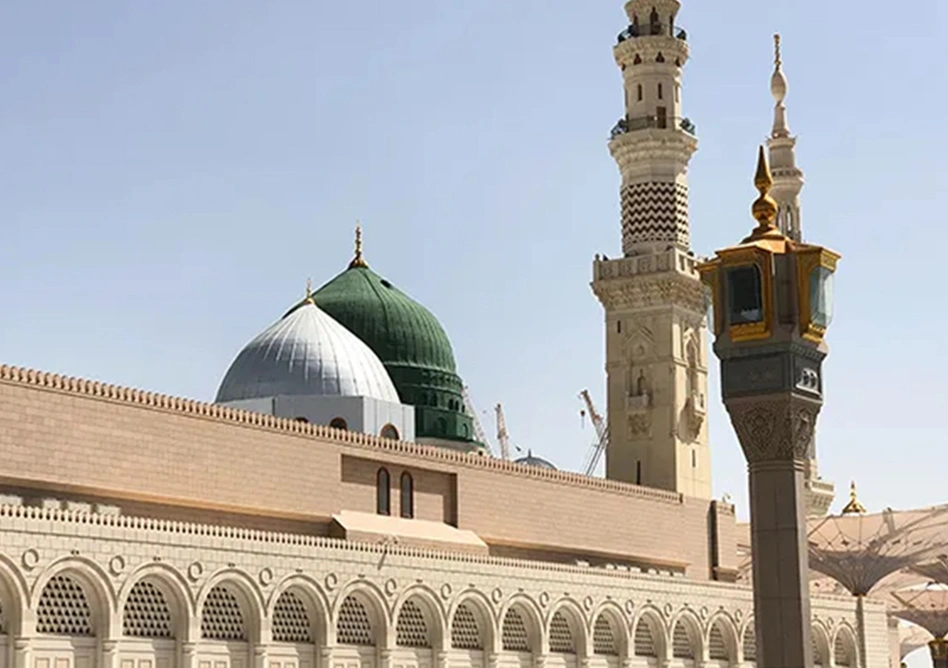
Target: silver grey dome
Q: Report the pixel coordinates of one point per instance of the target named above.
(532, 460)
(307, 353)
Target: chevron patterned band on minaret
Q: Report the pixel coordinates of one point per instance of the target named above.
(654, 212)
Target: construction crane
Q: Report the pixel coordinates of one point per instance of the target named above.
(479, 434)
(602, 433)
(503, 438)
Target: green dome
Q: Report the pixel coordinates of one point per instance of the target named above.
(410, 342)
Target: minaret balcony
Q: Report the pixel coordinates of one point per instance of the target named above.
(651, 30)
(625, 125)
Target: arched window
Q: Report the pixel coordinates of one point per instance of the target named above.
(389, 431)
(383, 492)
(339, 423)
(661, 92)
(408, 495)
(640, 92)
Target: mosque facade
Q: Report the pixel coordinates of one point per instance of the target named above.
(333, 507)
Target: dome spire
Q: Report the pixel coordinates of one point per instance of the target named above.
(309, 292)
(853, 507)
(778, 88)
(358, 260)
(764, 208)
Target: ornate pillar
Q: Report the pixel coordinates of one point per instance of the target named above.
(324, 657)
(385, 657)
(22, 656)
(539, 660)
(259, 655)
(939, 650)
(441, 659)
(109, 654)
(493, 660)
(189, 655)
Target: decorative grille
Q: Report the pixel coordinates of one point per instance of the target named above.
(465, 632)
(604, 638)
(3, 622)
(750, 645)
(842, 650)
(411, 629)
(63, 609)
(561, 639)
(221, 618)
(146, 613)
(818, 658)
(290, 621)
(515, 632)
(681, 643)
(717, 648)
(644, 641)
(354, 627)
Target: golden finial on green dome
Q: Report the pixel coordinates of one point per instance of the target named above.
(358, 260)
(309, 292)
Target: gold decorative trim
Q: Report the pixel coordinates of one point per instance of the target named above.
(807, 259)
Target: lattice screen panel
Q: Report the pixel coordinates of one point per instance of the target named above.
(515, 637)
(354, 627)
(411, 629)
(561, 638)
(644, 642)
(465, 631)
(63, 609)
(146, 613)
(843, 651)
(750, 645)
(681, 643)
(3, 622)
(222, 618)
(717, 647)
(818, 658)
(290, 621)
(604, 638)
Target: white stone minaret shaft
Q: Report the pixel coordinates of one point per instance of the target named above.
(788, 179)
(656, 341)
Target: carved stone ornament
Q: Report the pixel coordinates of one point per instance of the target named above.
(780, 429)
(640, 425)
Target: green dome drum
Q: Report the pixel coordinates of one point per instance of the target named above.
(409, 340)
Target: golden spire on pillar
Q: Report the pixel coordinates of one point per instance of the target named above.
(764, 208)
(358, 260)
(853, 507)
(309, 293)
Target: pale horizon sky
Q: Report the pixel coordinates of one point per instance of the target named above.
(176, 170)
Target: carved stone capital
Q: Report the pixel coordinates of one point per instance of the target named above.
(775, 428)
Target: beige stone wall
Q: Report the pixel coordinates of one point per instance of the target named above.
(64, 435)
(108, 556)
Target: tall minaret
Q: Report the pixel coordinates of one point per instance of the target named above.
(656, 339)
(788, 182)
(788, 179)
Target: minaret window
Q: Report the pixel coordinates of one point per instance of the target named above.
(383, 492)
(640, 92)
(408, 496)
(661, 92)
(661, 120)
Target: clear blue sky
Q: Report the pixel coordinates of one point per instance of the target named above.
(174, 171)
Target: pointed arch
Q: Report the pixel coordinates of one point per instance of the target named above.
(722, 639)
(472, 623)
(14, 598)
(171, 586)
(302, 613)
(844, 647)
(566, 629)
(609, 614)
(66, 574)
(648, 634)
(230, 607)
(521, 628)
(686, 636)
(749, 641)
(359, 616)
(821, 646)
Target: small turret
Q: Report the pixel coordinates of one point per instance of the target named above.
(788, 179)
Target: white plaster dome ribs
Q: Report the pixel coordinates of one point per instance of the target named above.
(654, 212)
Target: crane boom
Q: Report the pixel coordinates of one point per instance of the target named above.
(503, 438)
(602, 431)
(469, 407)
